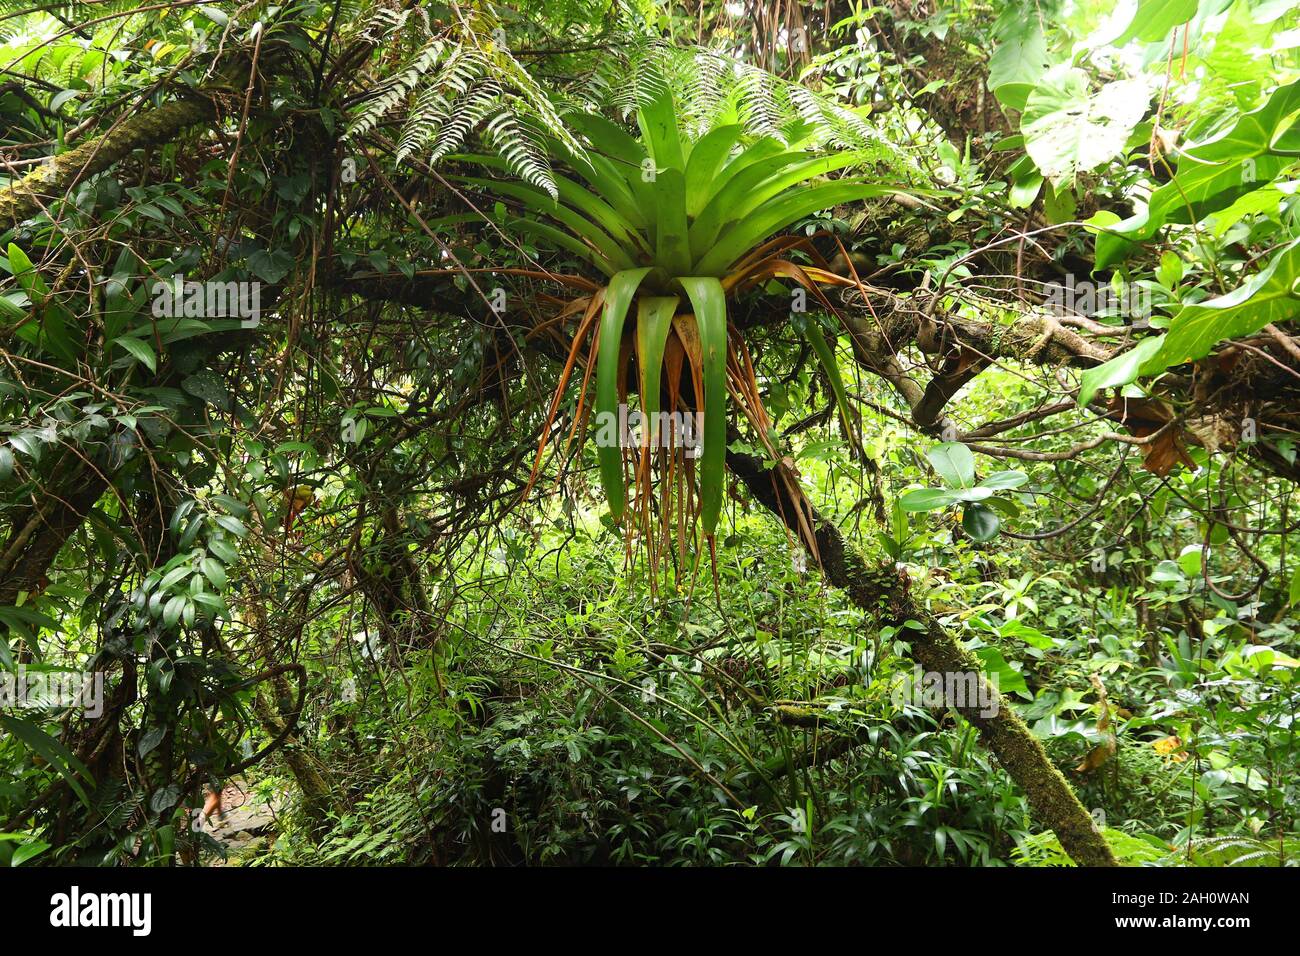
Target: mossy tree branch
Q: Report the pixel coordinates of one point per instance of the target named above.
(25, 198)
(885, 595)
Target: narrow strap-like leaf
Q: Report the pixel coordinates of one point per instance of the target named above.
(562, 240)
(707, 159)
(755, 186)
(658, 120)
(777, 214)
(757, 151)
(618, 298)
(672, 246)
(710, 305)
(623, 157)
(813, 333)
(538, 201)
(574, 194)
(653, 322)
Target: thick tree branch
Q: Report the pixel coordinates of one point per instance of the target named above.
(25, 198)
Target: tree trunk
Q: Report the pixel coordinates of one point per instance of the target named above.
(38, 532)
(318, 797)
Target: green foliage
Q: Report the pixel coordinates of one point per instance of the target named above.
(1044, 849)
(673, 217)
(300, 551)
(1268, 296)
(955, 466)
(620, 732)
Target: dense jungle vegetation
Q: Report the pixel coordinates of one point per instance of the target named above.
(620, 432)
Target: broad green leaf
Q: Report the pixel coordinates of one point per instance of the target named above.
(1170, 271)
(1253, 132)
(1167, 572)
(721, 208)
(173, 576)
(980, 523)
(270, 266)
(765, 147)
(1025, 189)
(231, 524)
(28, 278)
(28, 851)
(1018, 62)
(927, 499)
(1001, 480)
(623, 158)
(223, 549)
(613, 186)
(1212, 175)
(1195, 192)
(978, 493)
(1155, 18)
(1030, 635)
(1006, 679)
(1120, 370)
(1272, 295)
(954, 463)
(141, 350)
(214, 572)
(1004, 506)
(150, 740)
(172, 610)
(1190, 560)
(10, 310)
(1069, 130)
(211, 601)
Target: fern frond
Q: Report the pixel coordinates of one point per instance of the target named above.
(757, 96)
(521, 148)
(395, 89)
(434, 105)
(707, 85)
(469, 113)
(481, 79)
(509, 72)
(382, 21)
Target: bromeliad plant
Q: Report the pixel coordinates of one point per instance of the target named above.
(678, 226)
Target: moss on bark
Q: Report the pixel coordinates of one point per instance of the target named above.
(24, 199)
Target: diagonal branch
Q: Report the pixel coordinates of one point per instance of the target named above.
(885, 595)
(26, 198)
